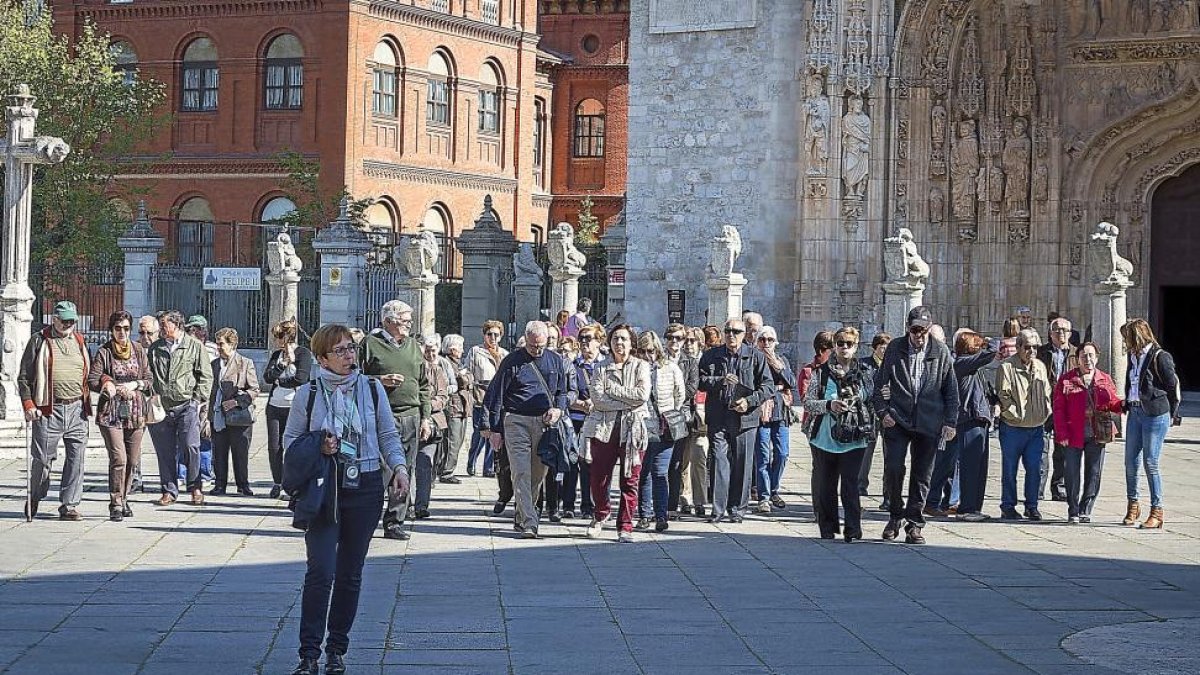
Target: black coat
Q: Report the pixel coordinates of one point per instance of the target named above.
(934, 405)
(1158, 386)
(974, 404)
(750, 365)
(273, 374)
(310, 477)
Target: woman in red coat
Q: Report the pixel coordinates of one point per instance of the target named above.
(1085, 407)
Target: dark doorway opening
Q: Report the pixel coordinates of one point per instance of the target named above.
(1174, 273)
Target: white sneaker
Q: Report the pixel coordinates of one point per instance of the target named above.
(764, 506)
(1074, 520)
(594, 529)
(625, 537)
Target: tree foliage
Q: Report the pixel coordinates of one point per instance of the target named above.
(315, 205)
(81, 97)
(587, 231)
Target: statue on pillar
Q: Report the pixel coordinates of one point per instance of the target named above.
(565, 258)
(421, 256)
(726, 248)
(904, 265)
(526, 269)
(282, 260)
(1108, 267)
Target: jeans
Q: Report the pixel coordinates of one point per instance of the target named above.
(276, 423)
(973, 451)
(730, 465)
(336, 554)
(770, 457)
(65, 423)
(1089, 459)
(898, 444)
(864, 474)
(177, 441)
(425, 473)
(653, 489)
(1053, 466)
(479, 445)
(1144, 438)
(1020, 446)
(235, 441)
(835, 472)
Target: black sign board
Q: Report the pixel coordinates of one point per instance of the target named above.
(676, 306)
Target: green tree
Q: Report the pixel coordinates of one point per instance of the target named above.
(587, 231)
(315, 205)
(83, 98)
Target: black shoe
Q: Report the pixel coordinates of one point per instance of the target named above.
(395, 531)
(587, 515)
(885, 506)
(913, 536)
(471, 471)
(115, 514)
(498, 507)
(661, 525)
(1033, 514)
(643, 525)
(489, 474)
(218, 492)
(31, 508)
(245, 492)
(421, 514)
(716, 518)
(699, 511)
(828, 535)
(891, 530)
(568, 515)
(335, 664)
(1058, 497)
(556, 516)
(452, 480)
(276, 490)
(1009, 514)
(735, 516)
(126, 511)
(308, 667)
(851, 538)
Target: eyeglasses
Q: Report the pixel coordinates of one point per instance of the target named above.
(917, 330)
(846, 344)
(1029, 348)
(691, 340)
(143, 331)
(767, 339)
(492, 333)
(124, 328)
(585, 340)
(344, 351)
(66, 322)
(734, 331)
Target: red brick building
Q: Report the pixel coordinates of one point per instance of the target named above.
(424, 105)
(591, 104)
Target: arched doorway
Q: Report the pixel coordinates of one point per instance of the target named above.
(1174, 274)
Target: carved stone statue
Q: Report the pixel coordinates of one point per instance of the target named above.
(1108, 267)
(421, 256)
(563, 254)
(526, 270)
(1016, 168)
(995, 181)
(282, 258)
(905, 267)
(964, 169)
(856, 149)
(816, 126)
(938, 122)
(726, 247)
(1041, 182)
(937, 206)
(51, 150)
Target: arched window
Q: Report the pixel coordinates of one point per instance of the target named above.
(437, 106)
(201, 77)
(195, 233)
(589, 129)
(489, 100)
(383, 99)
(379, 216)
(437, 221)
(276, 210)
(283, 86)
(126, 61)
(382, 230)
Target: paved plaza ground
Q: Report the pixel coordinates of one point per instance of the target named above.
(216, 589)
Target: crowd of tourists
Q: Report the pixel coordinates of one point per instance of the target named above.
(691, 423)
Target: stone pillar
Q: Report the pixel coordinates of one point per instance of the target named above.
(141, 245)
(725, 298)
(566, 267)
(528, 279)
(283, 279)
(343, 249)
(899, 299)
(487, 250)
(1111, 278)
(904, 289)
(616, 244)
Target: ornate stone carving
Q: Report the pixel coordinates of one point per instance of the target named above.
(856, 148)
(282, 259)
(904, 265)
(821, 56)
(970, 81)
(816, 126)
(1021, 87)
(817, 188)
(1108, 267)
(420, 256)
(1018, 231)
(1016, 167)
(857, 62)
(964, 170)
(724, 252)
(937, 205)
(937, 136)
(1041, 182)
(526, 270)
(937, 54)
(562, 251)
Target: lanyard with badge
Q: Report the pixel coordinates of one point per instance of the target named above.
(348, 437)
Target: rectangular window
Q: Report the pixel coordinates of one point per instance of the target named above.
(383, 102)
(200, 83)
(284, 85)
(440, 5)
(195, 243)
(539, 131)
(589, 136)
(438, 105)
(489, 112)
(491, 11)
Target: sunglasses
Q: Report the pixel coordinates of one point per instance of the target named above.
(1030, 348)
(767, 339)
(67, 322)
(674, 338)
(583, 340)
(917, 330)
(846, 344)
(142, 331)
(492, 333)
(734, 331)
(122, 328)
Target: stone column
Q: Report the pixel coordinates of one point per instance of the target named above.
(566, 268)
(725, 298)
(1111, 278)
(417, 258)
(899, 299)
(343, 249)
(487, 251)
(283, 279)
(528, 279)
(905, 285)
(616, 243)
(141, 245)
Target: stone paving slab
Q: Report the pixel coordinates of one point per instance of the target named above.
(183, 589)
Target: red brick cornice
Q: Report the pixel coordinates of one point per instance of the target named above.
(184, 10)
(455, 25)
(183, 166)
(429, 176)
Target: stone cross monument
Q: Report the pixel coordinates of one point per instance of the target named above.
(725, 286)
(21, 150)
(283, 279)
(1111, 278)
(566, 267)
(418, 256)
(528, 278)
(907, 272)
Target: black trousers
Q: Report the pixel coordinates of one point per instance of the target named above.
(730, 466)
(899, 443)
(1054, 468)
(235, 441)
(276, 423)
(864, 474)
(834, 473)
(1081, 497)
(503, 477)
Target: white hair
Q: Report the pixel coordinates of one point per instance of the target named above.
(451, 341)
(536, 328)
(393, 309)
(434, 340)
(1028, 335)
(768, 331)
(753, 317)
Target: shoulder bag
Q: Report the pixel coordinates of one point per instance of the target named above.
(1100, 421)
(563, 425)
(673, 424)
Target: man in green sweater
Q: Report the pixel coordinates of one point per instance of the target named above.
(394, 356)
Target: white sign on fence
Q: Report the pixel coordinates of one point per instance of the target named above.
(232, 279)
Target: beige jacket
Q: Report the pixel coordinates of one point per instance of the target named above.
(1024, 392)
(619, 391)
(481, 367)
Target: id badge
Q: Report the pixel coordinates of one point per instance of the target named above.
(348, 444)
(351, 476)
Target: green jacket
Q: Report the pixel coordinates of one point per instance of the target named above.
(183, 376)
(379, 355)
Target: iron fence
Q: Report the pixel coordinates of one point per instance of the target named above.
(593, 284)
(97, 289)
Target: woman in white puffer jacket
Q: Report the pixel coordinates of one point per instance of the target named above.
(667, 398)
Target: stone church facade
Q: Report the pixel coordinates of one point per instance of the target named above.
(1001, 132)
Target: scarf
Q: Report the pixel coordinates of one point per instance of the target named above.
(123, 354)
(341, 400)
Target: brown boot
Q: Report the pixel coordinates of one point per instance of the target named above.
(1131, 516)
(1155, 521)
